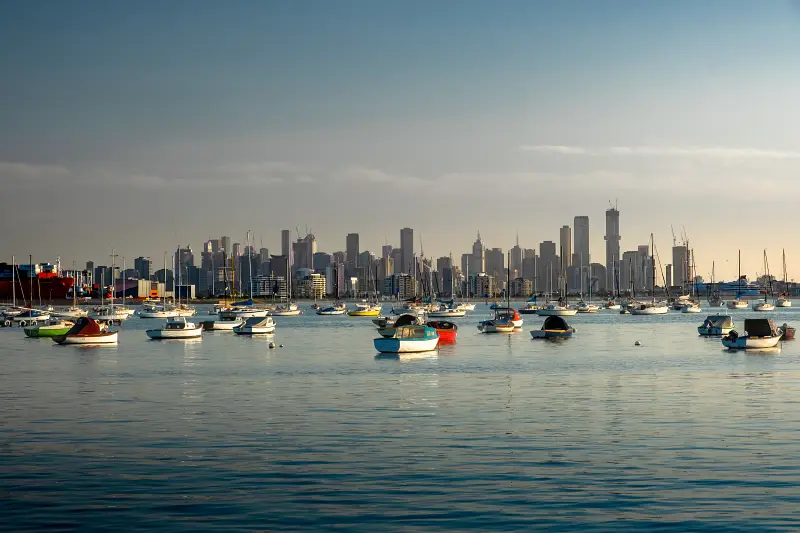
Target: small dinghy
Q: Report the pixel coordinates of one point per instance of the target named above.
(447, 330)
(256, 326)
(555, 327)
(408, 339)
(403, 320)
(716, 325)
(87, 331)
(332, 310)
(759, 333)
(787, 332)
(176, 328)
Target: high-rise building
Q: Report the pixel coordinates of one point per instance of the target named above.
(286, 242)
(226, 245)
(517, 254)
(352, 251)
(303, 251)
(612, 239)
(565, 242)
(477, 262)
(580, 245)
(321, 261)
(644, 275)
(407, 245)
(144, 266)
(680, 266)
(547, 270)
(597, 278)
(496, 265)
(397, 260)
(669, 276)
(237, 249)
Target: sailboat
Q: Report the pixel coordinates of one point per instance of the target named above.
(163, 310)
(612, 302)
(506, 319)
(714, 300)
(692, 306)
(652, 307)
(109, 313)
(584, 307)
(289, 308)
(765, 305)
(738, 303)
(784, 300)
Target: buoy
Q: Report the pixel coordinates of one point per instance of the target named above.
(281, 346)
(637, 343)
(272, 345)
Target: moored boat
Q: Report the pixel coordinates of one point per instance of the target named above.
(408, 339)
(445, 311)
(87, 331)
(289, 309)
(554, 327)
(222, 324)
(787, 332)
(447, 330)
(365, 309)
(556, 309)
(176, 328)
(53, 328)
(759, 333)
(388, 328)
(337, 308)
(691, 307)
(716, 325)
(256, 326)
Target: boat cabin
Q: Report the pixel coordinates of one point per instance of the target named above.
(258, 322)
(760, 327)
(718, 321)
(415, 332)
(506, 313)
(556, 323)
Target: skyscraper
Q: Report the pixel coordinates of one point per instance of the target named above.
(680, 266)
(407, 245)
(515, 261)
(478, 261)
(496, 265)
(286, 242)
(581, 241)
(547, 267)
(351, 251)
(612, 239)
(143, 266)
(226, 245)
(565, 240)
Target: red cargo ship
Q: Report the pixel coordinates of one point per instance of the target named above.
(45, 285)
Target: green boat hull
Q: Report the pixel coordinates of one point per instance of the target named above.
(45, 332)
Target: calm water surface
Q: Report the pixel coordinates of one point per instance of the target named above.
(495, 433)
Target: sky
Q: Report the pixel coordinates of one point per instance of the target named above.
(145, 125)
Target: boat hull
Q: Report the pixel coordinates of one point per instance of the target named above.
(657, 310)
(52, 288)
(334, 312)
(447, 314)
(393, 345)
(713, 331)
(783, 303)
(247, 330)
(557, 312)
(763, 307)
(295, 312)
(494, 327)
(46, 331)
(551, 333)
(103, 338)
(221, 325)
(737, 304)
(167, 334)
(742, 343)
(377, 312)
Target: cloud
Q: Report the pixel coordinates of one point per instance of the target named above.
(713, 152)
(27, 170)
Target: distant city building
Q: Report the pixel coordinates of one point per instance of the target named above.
(407, 245)
(517, 255)
(237, 249)
(352, 251)
(304, 250)
(547, 268)
(144, 266)
(485, 286)
(496, 265)
(669, 275)
(598, 278)
(321, 261)
(612, 239)
(397, 260)
(565, 246)
(312, 286)
(269, 286)
(521, 288)
(680, 266)
(286, 242)
(477, 262)
(226, 245)
(580, 244)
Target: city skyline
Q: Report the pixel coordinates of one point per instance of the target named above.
(500, 118)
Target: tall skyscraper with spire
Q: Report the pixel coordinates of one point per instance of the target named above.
(612, 244)
(515, 260)
(478, 262)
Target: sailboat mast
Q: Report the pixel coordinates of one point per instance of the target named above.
(13, 281)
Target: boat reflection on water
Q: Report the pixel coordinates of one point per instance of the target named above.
(408, 356)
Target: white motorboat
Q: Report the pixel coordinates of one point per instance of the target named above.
(337, 308)
(681, 301)
(650, 308)
(158, 312)
(467, 306)
(691, 307)
(763, 306)
(176, 328)
(244, 312)
(783, 302)
(555, 309)
(759, 333)
(256, 326)
(716, 325)
(408, 339)
(108, 313)
(87, 331)
(185, 310)
(222, 324)
(737, 304)
(612, 305)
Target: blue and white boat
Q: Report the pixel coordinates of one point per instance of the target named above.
(554, 327)
(408, 339)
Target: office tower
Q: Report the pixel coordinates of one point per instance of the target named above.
(208, 247)
(612, 239)
(143, 266)
(237, 249)
(351, 251)
(580, 243)
(565, 245)
(263, 255)
(184, 257)
(407, 246)
(547, 268)
(477, 262)
(304, 250)
(515, 260)
(669, 276)
(226, 245)
(286, 242)
(496, 265)
(644, 275)
(597, 278)
(680, 266)
(397, 261)
(321, 261)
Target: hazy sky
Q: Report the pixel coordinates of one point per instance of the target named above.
(144, 125)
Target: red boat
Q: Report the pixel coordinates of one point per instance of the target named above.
(447, 330)
(44, 285)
